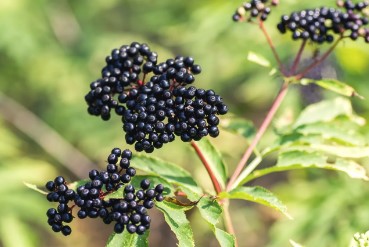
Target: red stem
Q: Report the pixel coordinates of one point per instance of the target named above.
(270, 42)
(277, 102)
(214, 180)
(298, 57)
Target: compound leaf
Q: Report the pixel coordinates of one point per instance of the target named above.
(257, 194)
(126, 239)
(175, 217)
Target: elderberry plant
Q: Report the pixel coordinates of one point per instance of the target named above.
(157, 102)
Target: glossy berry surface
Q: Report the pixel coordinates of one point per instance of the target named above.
(127, 209)
(254, 9)
(323, 25)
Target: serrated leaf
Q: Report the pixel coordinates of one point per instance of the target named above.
(298, 159)
(35, 188)
(125, 239)
(326, 111)
(334, 86)
(175, 217)
(170, 172)
(214, 160)
(335, 131)
(257, 194)
(224, 238)
(258, 59)
(211, 211)
(239, 126)
(342, 151)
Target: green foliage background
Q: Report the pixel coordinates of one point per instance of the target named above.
(51, 50)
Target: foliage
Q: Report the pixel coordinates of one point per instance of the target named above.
(57, 52)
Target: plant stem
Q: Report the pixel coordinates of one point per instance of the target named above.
(214, 180)
(277, 102)
(271, 45)
(228, 221)
(298, 57)
(321, 59)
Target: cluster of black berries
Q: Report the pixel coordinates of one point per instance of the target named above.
(122, 71)
(321, 24)
(156, 113)
(156, 110)
(253, 9)
(127, 212)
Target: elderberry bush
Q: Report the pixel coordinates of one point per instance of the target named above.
(321, 25)
(156, 101)
(254, 9)
(126, 212)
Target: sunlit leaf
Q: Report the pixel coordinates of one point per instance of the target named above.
(294, 244)
(326, 111)
(35, 188)
(239, 126)
(127, 239)
(258, 59)
(176, 219)
(298, 159)
(257, 194)
(211, 211)
(334, 86)
(214, 160)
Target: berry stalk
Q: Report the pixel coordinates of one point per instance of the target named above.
(214, 180)
(270, 42)
(298, 57)
(321, 59)
(268, 119)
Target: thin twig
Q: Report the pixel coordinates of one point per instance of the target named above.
(270, 42)
(214, 180)
(298, 57)
(277, 102)
(321, 59)
(45, 136)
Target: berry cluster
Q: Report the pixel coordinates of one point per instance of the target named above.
(122, 71)
(155, 114)
(155, 111)
(127, 212)
(254, 9)
(321, 24)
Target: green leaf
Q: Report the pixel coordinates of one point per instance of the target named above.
(214, 159)
(211, 211)
(337, 131)
(298, 159)
(170, 172)
(334, 86)
(294, 244)
(342, 151)
(257, 194)
(224, 238)
(125, 239)
(239, 126)
(326, 111)
(176, 218)
(35, 188)
(76, 184)
(258, 59)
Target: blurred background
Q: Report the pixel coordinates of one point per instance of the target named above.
(50, 50)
